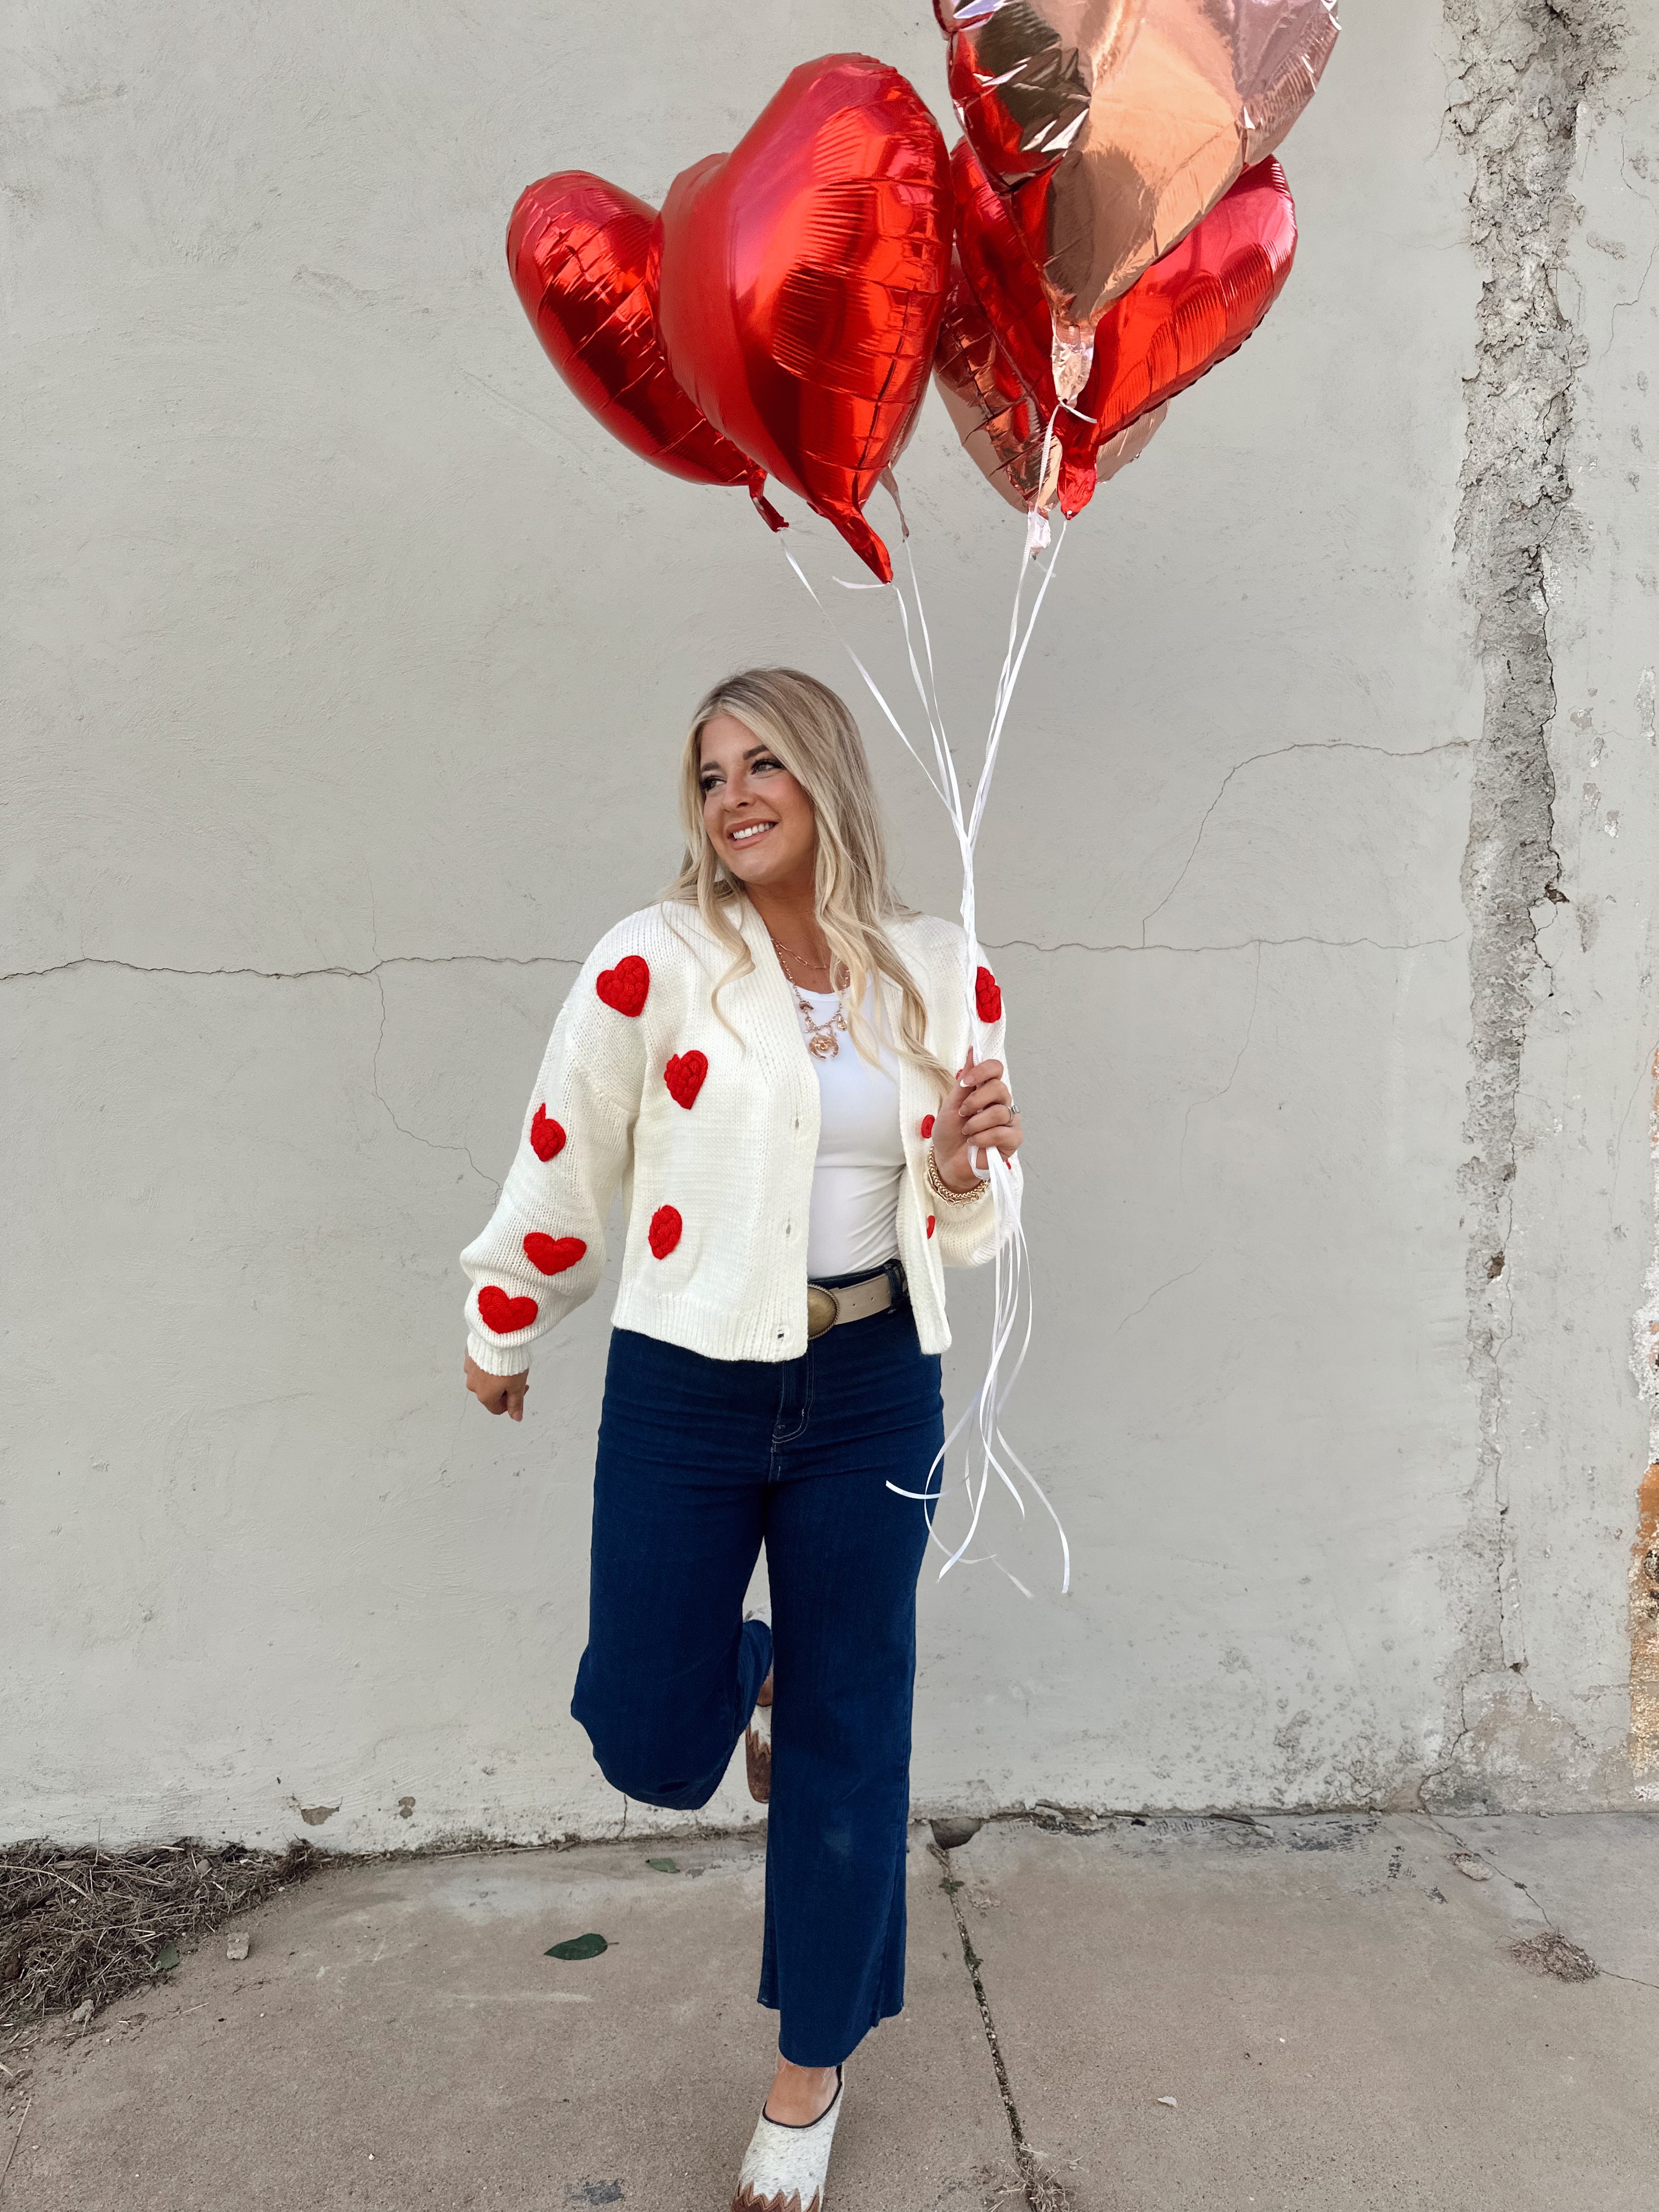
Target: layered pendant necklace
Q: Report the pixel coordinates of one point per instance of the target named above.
(821, 1036)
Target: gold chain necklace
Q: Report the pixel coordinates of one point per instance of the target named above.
(821, 1035)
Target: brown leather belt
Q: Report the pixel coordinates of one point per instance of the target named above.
(827, 1309)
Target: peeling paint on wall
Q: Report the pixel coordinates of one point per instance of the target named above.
(1523, 71)
(1644, 1632)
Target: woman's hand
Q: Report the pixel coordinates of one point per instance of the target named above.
(978, 1114)
(497, 1394)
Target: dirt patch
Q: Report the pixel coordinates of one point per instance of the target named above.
(1551, 1953)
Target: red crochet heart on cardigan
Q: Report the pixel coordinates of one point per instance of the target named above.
(665, 1227)
(930, 1224)
(927, 1125)
(552, 1254)
(987, 998)
(546, 1137)
(683, 1075)
(498, 1311)
(624, 986)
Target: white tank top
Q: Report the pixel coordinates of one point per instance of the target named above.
(859, 1172)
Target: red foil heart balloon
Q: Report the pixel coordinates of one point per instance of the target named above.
(1001, 274)
(803, 279)
(583, 256)
(1189, 311)
(993, 363)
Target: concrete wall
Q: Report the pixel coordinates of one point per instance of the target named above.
(348, 661)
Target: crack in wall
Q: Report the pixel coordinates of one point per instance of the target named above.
(431, 1143)
(1232, 1077)
(1276, 752)
(1238, 944)
(371, 975)
(301, 974)
(1524, 69)
(565, 960)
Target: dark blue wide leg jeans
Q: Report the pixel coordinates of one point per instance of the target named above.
(699, 1462)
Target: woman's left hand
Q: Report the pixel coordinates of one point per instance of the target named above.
(978, 1114)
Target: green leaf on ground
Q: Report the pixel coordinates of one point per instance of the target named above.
(951, 1886)
(165, 1959)
(663, 1866)
(578, 1947)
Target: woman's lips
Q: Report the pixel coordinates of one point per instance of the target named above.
(749, 832)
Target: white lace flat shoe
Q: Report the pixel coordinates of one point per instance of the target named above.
(784, 2168)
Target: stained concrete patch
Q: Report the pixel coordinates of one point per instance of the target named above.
(400, 2039)
(1337, 2024)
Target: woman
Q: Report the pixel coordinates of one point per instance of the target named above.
(766, 1057)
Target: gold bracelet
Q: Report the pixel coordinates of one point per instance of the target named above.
(940, 1188)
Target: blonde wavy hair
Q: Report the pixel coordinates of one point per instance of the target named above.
(811, 730)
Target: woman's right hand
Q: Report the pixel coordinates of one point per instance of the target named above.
(497, 1394)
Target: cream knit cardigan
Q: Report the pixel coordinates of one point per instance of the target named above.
(712, 1137)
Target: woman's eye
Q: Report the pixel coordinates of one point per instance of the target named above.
(764, 763)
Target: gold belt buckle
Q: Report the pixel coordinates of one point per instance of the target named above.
(823, 1310)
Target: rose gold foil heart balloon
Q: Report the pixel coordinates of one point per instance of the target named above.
(1190, 310)
(1115, 125)
(1000, 425)
(992, 367)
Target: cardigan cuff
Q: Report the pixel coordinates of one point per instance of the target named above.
(498, 1359)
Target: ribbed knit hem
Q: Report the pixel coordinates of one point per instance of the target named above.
(763, 1334)
(498, 1359)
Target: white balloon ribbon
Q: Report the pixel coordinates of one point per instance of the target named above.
(985, 1451)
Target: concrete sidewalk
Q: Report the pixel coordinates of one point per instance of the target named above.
(1335, 2007)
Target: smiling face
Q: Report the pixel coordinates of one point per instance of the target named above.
(758, 819)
